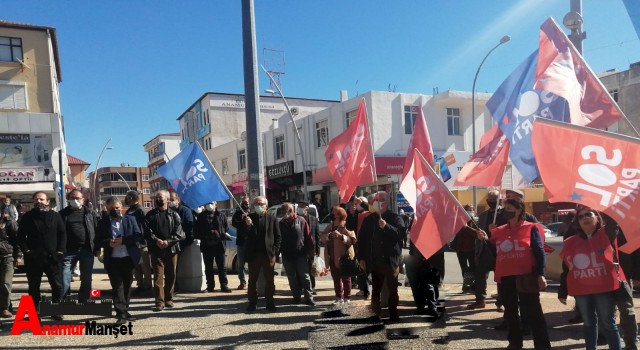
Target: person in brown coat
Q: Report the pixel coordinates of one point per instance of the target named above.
(338, 241)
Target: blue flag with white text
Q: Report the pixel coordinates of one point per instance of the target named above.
(516, 104)
(192, 176)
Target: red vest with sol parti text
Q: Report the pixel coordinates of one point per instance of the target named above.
(513, 250)
(591, 265)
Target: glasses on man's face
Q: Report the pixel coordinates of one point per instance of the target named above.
(588, 214)
(260, 204)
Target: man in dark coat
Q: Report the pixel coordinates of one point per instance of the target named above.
(119, 235)
(43, 240)
(263, 246)
(211, 229)
(236, 221)
(142, 271)
(380, 251)
(314, 229)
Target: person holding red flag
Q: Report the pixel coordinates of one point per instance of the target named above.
(591, 274)
(520, 261)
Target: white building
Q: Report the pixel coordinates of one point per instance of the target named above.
(160, 149)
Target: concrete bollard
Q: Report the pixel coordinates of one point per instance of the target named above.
(190, 274)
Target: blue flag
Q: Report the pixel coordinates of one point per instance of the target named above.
(633, 9)
(444, 172)
(193, 177)
(515, 105)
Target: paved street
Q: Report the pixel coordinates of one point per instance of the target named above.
(218, 320)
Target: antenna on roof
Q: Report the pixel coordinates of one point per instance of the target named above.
(274, 63)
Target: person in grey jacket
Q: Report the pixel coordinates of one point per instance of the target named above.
(163, 233)
(8, 246)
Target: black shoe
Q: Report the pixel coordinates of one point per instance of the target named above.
(394, 317)
(272, 307)
(225, 290)
(297, 300)
(210, 289)
(514, 347)
(127, 316)
(120, 321)
(158, 308)
(310, 302)
(251, 307)
(501, 327)
(57, 317)
(314, 293)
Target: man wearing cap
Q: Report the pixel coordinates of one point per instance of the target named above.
(519, 194)
(314, 228)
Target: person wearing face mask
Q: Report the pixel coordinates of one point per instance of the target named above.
(187, 222)
(163, 232)
(363, 281)
(210, 229)
(9, 210)
(262, 247)
(119, 235)
(380, 251)
(142, 271)
(80, 223)
(236, 221)
(43, 240)
(296, 248)
(314, 230)
(519, 273)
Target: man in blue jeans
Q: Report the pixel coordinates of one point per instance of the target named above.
(80, 223)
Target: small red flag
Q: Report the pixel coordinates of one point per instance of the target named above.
(486, 166)
(420, 141)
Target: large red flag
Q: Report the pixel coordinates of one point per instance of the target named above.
(486, 167)
(350, 156)
(439, 216)
(562, 71)
(591, 167)
(421, 141)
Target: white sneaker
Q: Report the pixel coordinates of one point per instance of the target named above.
(337, 302)
(347, 301)
(76, 271)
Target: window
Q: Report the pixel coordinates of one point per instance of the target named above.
(614, 94)
(147, 204)
(350, 117)
(242, 159)
(322, 133)
(410, 115)
(13, 95)
(225, 167)
(453, 121)
(146, 190)
(10, 49)
(145, 177)
(279, 147)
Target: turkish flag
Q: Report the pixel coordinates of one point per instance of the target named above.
(350, 156)
(439, 216)
(591, 167)
(486, 166)
(95, 293)
(421, 141)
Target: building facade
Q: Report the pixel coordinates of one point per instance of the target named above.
(160, 149)
(117, 181)
(31, 124)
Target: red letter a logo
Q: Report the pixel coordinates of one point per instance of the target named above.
(25, 308)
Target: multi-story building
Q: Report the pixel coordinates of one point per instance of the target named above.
(160, 149)
(77, 175)
(31, 124)
(117, 181)
(624, 88)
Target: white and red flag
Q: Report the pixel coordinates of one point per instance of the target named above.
(486, 166)
(350, 156)
(439, 216)
(591, 167)
(421, 141)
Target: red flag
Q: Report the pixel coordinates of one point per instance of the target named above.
(350, 156)
(591, 167)
(486, 167)
(562, 71)
(421, 141)
(439, 216)
(94, 293)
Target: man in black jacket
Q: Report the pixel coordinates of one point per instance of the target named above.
(80, 224)
(8, 247)
(163, 232)
(263, 246)
(186, 221)
(314, 229)
(211, 228)
(142, 270)
(296, 249)
(380, 251)
(236, 221)
(43, 240)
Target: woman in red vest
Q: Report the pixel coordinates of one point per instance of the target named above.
(519, 273)
(590, 274)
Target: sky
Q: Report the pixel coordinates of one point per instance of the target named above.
(131, 68)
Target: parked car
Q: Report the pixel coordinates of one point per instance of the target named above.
(553, 227)
(553, 268)
(232, 250)
(275, 210)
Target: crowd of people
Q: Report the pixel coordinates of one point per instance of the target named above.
(365, 236)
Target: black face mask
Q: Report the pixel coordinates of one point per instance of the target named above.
(508, 215)
(492, 204)
(115, 214)
(159, 202)
(244, 206)
(128, 202)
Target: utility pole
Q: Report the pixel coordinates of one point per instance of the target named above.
(573, 21)
(255, 162)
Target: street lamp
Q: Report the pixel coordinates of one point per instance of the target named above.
(503, 40)
(95, 173)
(125, 181)
(295, 128)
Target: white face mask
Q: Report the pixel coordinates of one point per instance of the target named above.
(259, 209)
(300, 211)
(210, 207)
(75, 203)
(172, 204)
(377, 206)
(199, 210)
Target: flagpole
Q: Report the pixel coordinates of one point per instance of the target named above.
(597, 79)
(219, 178)
(449, 192)
(373, 154)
